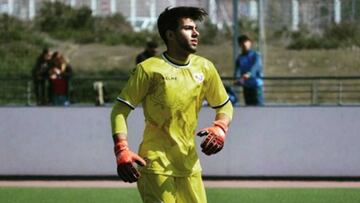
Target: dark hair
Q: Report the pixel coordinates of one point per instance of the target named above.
(55, 55)
(152, 44)
(169, 18)
(243, 38)
(45, 50)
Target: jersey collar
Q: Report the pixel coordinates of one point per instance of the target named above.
(173, 62)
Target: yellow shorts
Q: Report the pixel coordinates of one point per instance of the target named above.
(156, 188)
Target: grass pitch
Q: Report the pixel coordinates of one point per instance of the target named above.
(215, 195)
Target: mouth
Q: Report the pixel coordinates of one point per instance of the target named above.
(194, 42)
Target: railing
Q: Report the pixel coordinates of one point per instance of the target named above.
(277, 90)
(343, 90)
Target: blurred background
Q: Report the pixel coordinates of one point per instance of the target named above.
(310, 48)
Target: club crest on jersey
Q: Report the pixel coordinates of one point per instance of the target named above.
(199, 77)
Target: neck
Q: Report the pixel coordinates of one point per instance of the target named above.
(177, 57)
(245, 51)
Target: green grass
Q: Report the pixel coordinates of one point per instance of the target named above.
(68, 195)
(215, 195)
(273, 195)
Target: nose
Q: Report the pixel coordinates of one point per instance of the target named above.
(195, 32)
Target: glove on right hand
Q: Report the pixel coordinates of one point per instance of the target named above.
(125, 160)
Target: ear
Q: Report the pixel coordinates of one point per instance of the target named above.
(169, 35)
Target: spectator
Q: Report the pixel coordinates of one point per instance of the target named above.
(248, 72)
(150, 51)
(59, 76)
(40, 76)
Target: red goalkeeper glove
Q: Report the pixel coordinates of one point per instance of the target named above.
(125, 161)
(214, 137)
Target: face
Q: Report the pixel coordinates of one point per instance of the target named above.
(47, 56)
(245, 46)
(151, 51)
(186, 36)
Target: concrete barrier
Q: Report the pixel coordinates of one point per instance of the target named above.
(265, 141)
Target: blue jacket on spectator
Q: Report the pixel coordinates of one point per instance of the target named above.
(250, 63)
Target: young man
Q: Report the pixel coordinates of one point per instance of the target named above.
(248, 72)
(171, 88)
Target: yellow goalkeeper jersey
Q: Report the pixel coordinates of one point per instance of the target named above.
(171, 96)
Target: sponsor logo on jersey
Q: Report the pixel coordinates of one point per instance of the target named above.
(199, 77)
(170, 78)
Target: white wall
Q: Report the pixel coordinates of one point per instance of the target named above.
(267, 141)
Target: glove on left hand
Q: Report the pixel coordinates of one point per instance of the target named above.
(214, 137)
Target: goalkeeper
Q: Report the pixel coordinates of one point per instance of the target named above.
(171, 89)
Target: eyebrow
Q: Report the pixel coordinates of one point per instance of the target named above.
(189, 26)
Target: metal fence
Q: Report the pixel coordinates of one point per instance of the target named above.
(277, 90)
(143, 13)
(311, 90)
(270, 24)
